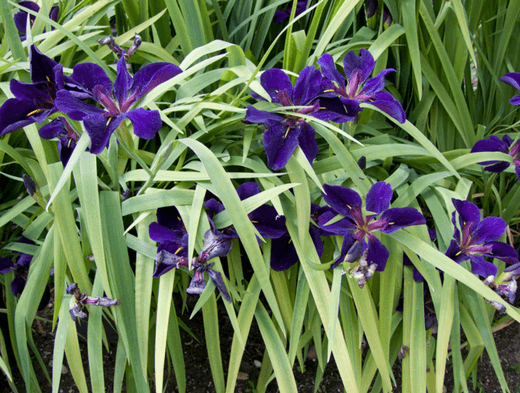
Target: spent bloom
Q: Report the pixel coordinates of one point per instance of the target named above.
(475, 239)
(285, 131)
(506, 145)
(358, 88)
(505, 285)
(117, 100)
(80, 300)
(359, 242)
(35, 101)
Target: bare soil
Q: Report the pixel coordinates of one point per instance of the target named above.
(198, 371)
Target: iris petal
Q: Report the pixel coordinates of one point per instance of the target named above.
(379, 197)
(482, 267)
(341, 199)
(490, 228)
(377, 253)
(146, 122)
(279, 145)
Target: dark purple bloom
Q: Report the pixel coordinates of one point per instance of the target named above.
(265, 218)
(359, 240)
(20, 268)
(285, 132)
(67, 138)
(80, 300)
(283, 16)
(506, 146)
(35, 101)
(513, 79)
(116, 100)
(20, 18)
(477, 239)
(169, 231)
(358, 88)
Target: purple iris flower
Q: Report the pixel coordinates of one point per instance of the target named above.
(169, 231)
(358, 88)
(477, 239)
(265, 218)
(116, 100)
(283, 16)
(20, 18)
(20, 268)
(285, 132)
(513, 79)
(283, 253)
(67, 138)
(493, 143)
(35, 101)
(360, 242)
(80, 300)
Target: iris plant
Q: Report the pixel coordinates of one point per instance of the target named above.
(477, 239)
(117, 100)
(513, 79)
(358, 88)
(506, 145)
(80, 300)
(35, 101)
(285, 131)
(358, 229)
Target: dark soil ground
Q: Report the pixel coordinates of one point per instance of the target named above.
(198, 371)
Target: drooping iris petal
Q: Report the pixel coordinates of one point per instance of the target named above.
(151, 76)
(146, 122)
(503, 251)
(340, 227)
(279, 145)
(275, 80)
(377, 252)
(341, 199)
(401, 217)
(307, 142)
(268, 119)
(76, 109)
(388, 104)
(14, 114)
(513, 79)
(490, 228)
(248, 189)
(379, 197)
(99, 132)
(283, 253)
(482, 267)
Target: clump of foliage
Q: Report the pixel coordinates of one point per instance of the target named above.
(358, 152)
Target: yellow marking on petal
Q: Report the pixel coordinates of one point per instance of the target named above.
(329, 91)
(179, 250)
(109, 120)
(322, 107)
(349, 206)
(457, 254)
(35, 111)
(69, 143)
(48, 79)
(287, 132)
(391, 223)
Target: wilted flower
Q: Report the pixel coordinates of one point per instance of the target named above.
(35, 101)
(80, 300)
(477, 239)
(29, 184)
(493, 143)
(283, 16)
(285, 132)
(20, 18)
(359, 89)
(117, 100)
(357, 229)
(20, 268)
